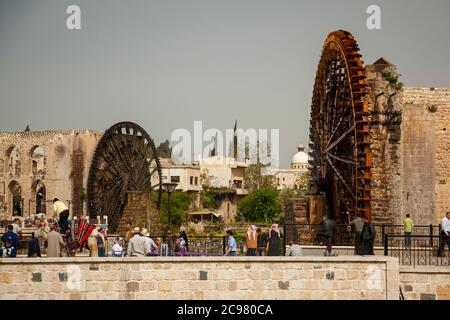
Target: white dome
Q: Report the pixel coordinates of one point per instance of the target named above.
(300, 157)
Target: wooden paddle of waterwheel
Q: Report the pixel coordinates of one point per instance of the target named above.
(340, 155)
(125, 160)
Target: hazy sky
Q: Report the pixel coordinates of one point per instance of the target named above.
(164, 64)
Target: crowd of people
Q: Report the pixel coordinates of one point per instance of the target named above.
(54, 239)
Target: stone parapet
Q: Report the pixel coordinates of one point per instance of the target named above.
(197, 278)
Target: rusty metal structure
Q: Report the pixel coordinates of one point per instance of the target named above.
(340, 156)
(125, 160)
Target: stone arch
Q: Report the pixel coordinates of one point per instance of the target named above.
(37, 156)
(14, 160)
(39, 196)
(15, 198)
(2, 167)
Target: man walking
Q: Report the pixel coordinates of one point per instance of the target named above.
(327, 233)
(407, 229)
(445, 234)
(55, 242)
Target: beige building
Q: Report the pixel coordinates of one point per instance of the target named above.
(225, 175)
(36, 167)
(187, 176)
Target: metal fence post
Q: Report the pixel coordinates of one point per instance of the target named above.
(385, 240)
(431, 235)
(224, 241)
(284, 239)
(382, 233)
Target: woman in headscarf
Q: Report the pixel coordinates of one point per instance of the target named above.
(274, 240)
(251, 241)
(183, 235)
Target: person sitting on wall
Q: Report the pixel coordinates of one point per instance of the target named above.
(16, 226)
(11, 243)
(294, 250)
(34, 249)
(118, 249)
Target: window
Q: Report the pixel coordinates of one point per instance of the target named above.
(196, 181)
(191, 180)
(175, 179)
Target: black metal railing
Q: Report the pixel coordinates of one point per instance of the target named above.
(418, 250)
(305, 234)
(198, 245)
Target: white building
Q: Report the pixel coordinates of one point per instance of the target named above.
(224, 175)
(289, 178)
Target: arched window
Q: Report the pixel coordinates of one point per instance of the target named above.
(16, 201)
(37, 160)
(14, 160)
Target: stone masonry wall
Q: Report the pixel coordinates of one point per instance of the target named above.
(410, 149)
(198, 278)
(427, 283)
(418, 159)
(427, 99)
(385, 114)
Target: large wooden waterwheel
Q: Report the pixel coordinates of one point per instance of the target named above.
(340, 156)
(125, 160)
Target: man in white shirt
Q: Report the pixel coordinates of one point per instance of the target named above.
(445, 234)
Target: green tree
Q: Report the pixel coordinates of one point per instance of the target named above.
(164, 150)
(208, 198)
(180, 203)
(261, 205)
(255, 177)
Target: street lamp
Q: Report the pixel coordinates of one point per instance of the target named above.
(170, 188)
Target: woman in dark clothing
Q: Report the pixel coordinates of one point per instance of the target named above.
(183, 235)
(34, 250)
(367, 237)
(274, 241)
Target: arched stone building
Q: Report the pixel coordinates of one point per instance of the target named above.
(36, 167)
